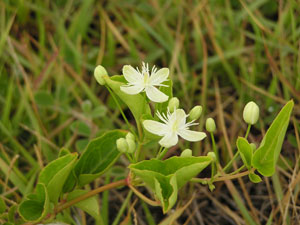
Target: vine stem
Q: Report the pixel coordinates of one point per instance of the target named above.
(92, 193)
(223, 178)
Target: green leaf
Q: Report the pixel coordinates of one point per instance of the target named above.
(245, 151)
(2, 205)
(265, 157)
(136, 103)
(81, 128)
(99, 111)
(165, 178)
(254, 178)
(36, 207)
(43, 98)
(81, 144)
(100, 154)
(63, 152)
(89, 205)
(56, 173)
(11, 214)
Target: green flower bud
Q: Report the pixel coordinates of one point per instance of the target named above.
(99, 72)
(131, 146)
(86, 106)
(130, 136)
(210, 125)
(195, 113)
(186, 153)
(213, 155)
(251, 113)
(122, 145)
(173, 104)
(253, 146)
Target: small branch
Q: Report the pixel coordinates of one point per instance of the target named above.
(226, 177)
(143, 197)
(91, 194)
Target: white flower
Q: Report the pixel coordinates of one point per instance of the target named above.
(142, 81)
(174, 124)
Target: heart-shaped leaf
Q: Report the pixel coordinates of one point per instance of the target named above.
(245, 151)
(165, 178)
(265, 157)
(100, 154)
(136, 103)
(254, 178)
(55, 174)
(36, 206)
(89, 205)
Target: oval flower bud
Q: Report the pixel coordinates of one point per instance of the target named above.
(99, 72)
(122, 145)
(195, 113)
(130, 136)
(186, 153)
(213, 155)
(131, 146)
(210, 125)
(173, 104)
(253, 146)
(251, 113)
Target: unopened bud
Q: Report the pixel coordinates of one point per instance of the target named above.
(251, 113)
(173, 104)
(212, 155)
(253, 146)
(186, 153)
(122, 145)
(131, 146)
(210, 125)
(130, 136)
(99, 74)
(195, 113)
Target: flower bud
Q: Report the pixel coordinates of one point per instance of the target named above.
(195, 113)
(213, 155)
(186, 153)
(122, 145)
(130, 136)
(210, 125)
(173, 104)
(253, 146)
(131, 146)
(99, 72)
(251, 113)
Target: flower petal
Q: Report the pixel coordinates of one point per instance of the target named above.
(155, 95)
(190, 135)
(159, 77)
(155, 127)
(132, 75)
(132, 90)
(169, 140)
(178, 117)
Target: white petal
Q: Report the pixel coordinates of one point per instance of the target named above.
(155, 127)
(132, 90)
(155, 95)
(178, 117)
(169, 140)
(190, 135)
(131, 75)
(159, 77)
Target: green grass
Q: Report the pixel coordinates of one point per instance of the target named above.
(49, 49)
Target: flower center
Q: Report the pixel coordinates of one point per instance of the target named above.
(146, 78)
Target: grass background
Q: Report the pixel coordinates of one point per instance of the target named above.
(221, 54)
